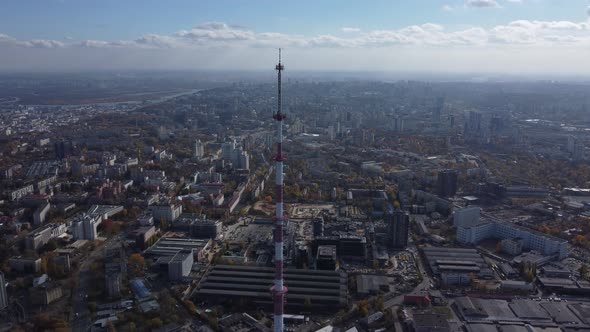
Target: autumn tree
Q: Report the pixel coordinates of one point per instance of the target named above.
(584, 271)
(136, 264)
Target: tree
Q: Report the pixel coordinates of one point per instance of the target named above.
(136, 263)
(44, 264)
(499, 247)
(111, 327)
(156, 323)
(584, 271)
(190, 306)
(379, 304)
(363, 308)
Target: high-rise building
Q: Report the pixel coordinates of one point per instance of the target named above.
(575, 147)
(473, 127)
(571, 143)
(199, 149)
(466, 217)
(331, 133)
(63, 149)
(398, 124)
(318, 227)
(398, 229)
(326, 258)
(235, 154)
(84, 227)
(578, 153)
(180, 265)
(437, 110)
(3, 294)
(447, 183)
(227, 148)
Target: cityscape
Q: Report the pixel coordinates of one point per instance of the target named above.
(277, 199)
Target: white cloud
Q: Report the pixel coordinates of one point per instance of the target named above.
(216, 34)
(350, 29)
(215, 41)
(448, 8)
(5, 38)
(215, 31)
(41, 43)
(482, 3)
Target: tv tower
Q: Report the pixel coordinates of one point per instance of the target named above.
(279, 290)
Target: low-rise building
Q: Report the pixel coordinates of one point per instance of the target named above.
(429, 321)
(19, 193)
(512, 246)
(531, 240)
(41, 213)
(166, 213)
(38, 238)
(46, 293)
(143, 235)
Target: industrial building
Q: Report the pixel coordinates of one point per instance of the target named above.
(367, 284)
(455, 266)
(168, 246)
(326, 290)
(429, 321)
(475, 309)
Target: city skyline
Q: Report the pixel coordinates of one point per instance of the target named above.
(487, 36)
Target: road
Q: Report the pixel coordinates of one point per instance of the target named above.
(81, 320)
(425, 284)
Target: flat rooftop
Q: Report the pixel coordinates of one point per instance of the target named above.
(327, 289)
(560, 313)
(167, 246)
(529, 309)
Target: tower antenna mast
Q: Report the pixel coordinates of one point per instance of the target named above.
(279, 290)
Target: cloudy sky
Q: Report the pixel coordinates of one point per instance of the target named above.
(500, 36)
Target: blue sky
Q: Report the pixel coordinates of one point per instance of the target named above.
(128, 19)
(37, 34)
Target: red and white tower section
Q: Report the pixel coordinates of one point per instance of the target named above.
(279, 290)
